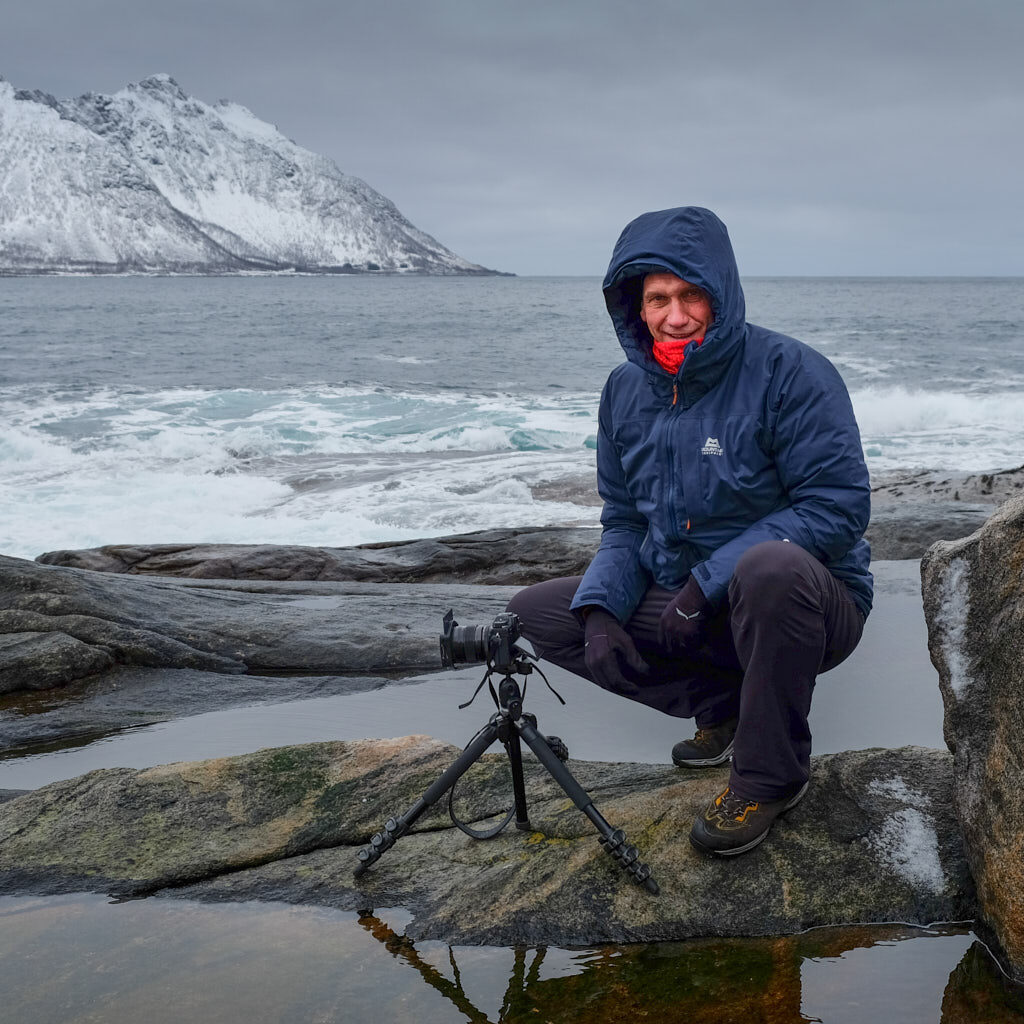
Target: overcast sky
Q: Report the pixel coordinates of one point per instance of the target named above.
(854, 137)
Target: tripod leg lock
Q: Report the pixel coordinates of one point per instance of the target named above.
(380, 842)
(629, 859)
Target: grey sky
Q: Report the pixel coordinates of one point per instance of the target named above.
(832, 137)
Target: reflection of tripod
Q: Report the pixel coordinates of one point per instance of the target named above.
(508, 724)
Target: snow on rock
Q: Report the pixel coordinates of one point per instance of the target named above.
(952, 619)
(907, 841)
(153, 179)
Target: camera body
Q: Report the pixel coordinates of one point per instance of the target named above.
(494, 644)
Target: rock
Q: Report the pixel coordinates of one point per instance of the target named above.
(128, 697)
(42, 661)
(495, 557)
(910, 510)
(132, 695)
(979, 993)
(906, 529)
(940, 487)
(874, 840)
(225, 626)
(974, 607)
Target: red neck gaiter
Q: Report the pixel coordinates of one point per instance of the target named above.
(670, 354)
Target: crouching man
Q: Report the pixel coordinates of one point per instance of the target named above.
(732, 568)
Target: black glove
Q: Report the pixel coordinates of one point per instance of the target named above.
(609, 649)
(683, 622)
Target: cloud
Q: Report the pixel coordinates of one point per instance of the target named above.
(868, 138)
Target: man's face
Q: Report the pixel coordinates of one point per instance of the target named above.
(674, 309)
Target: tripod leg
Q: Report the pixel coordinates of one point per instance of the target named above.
(395, 828)
(613, 840)
(515, 756)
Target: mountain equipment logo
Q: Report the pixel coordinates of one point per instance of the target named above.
(712, 447)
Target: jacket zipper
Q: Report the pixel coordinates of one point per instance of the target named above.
(671, 460)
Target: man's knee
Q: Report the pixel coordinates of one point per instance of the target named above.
(520, 603)
(769, 571)
(544, 611)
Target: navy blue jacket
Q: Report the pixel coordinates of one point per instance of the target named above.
(754, 438)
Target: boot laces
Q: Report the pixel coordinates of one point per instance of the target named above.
(732, 805)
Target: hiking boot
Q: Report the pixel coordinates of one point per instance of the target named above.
(709, 747)
(732, 824)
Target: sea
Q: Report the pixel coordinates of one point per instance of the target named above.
(345, 410)
(352, 409)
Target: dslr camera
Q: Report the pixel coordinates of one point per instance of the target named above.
(494, 645)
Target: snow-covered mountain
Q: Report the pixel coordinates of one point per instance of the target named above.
(151, 179)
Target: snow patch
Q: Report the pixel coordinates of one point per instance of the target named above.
(243, 121)
(907, 841)
(954, 606)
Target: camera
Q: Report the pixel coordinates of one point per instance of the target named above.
(470, 645)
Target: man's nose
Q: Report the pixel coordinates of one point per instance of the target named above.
(677, 313)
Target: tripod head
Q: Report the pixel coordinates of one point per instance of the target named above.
(498, 646)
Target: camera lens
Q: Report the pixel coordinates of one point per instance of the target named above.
(469, 644)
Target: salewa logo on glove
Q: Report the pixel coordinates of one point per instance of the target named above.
(683, 615)
(712, 447)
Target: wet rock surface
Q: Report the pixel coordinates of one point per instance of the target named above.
(285, 824)
(130, 697)
(910, 510)
(494, 557)
(221, 626)
(940, 486)
(974, 607)
(129, 694)
(42, 661)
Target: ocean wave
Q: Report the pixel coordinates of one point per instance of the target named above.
(225, 425)
(898, 410)
(904, 428)
(348, 465)
(353, 502)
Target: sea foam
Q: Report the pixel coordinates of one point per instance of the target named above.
(349, 464)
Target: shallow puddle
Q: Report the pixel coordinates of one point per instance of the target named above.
(82, 959)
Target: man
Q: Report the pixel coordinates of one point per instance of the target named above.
(732, 569)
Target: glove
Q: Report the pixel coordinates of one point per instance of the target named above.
(683, 622)
(608, 649)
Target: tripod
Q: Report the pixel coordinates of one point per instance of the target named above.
(510, 724)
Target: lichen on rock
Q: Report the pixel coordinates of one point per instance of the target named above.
(286, 824)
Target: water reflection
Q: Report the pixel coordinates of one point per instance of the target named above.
(753, 980)
(82, 959)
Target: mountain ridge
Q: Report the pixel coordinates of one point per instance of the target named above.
(152, 180)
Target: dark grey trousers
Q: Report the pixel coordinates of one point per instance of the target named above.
(787, 619)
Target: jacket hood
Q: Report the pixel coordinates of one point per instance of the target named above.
(693, 244)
